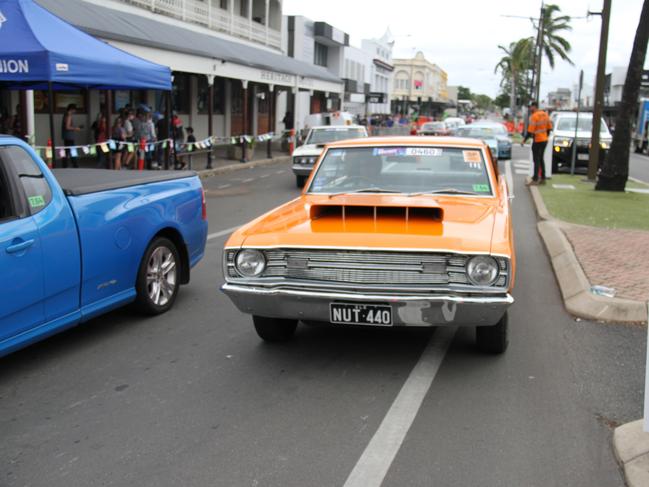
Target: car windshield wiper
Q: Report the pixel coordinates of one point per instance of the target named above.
(364, 190)
(442, 191)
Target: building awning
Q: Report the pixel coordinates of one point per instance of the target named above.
(154, 35)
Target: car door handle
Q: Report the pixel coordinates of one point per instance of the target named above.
(19, 247)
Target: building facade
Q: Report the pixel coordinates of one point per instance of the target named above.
(560, 99)
(232, 49)
(321, 45)
(381, 72)
(419, 86)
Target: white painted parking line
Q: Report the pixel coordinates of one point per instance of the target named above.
(227, 231)
(247, 180)
(223, 186)
(524, 172)
(264, 176)
(371, 468)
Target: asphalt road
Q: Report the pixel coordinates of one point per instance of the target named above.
(639, 167)
(194, 398)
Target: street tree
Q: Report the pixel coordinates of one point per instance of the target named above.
(553, 44)
(513, 66)
(615, 170)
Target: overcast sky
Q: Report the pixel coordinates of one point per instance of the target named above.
(462, 36)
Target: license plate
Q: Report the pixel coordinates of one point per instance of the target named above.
(361, 314)
(582, 157)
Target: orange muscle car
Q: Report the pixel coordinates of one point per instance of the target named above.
(403, 231)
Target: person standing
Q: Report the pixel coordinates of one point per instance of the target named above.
(101, 136)
(538, 128)
(119, 135)
(68, 130)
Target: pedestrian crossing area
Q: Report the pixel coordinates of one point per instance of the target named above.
(522, 167)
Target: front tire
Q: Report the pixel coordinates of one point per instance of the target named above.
(493, 339)
(555, 166)
(158, 278)
(274, 329)
(299, 181)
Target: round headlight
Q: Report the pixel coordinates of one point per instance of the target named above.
(482, 270)
(250, 262)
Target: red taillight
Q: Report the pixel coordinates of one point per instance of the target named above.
(203, 204)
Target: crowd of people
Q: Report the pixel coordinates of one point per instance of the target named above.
(131, 128)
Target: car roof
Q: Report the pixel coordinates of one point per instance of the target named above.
(411, 140)
(337, 127)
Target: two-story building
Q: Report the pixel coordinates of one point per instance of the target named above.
(231, 49)
(419, 86)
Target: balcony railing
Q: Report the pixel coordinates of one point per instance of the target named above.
(214, 18)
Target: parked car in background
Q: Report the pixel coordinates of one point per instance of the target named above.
(454, 122)
(305, 156)
(562, 139)
(502, 136)
(433, 128)
(389, 231)
(641, 133)
(76, 243)
(486, 134)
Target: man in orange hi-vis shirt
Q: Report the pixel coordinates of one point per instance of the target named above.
(538, 128)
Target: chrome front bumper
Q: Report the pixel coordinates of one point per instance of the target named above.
(302, 170)
(407, 310)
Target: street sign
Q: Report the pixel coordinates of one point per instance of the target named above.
(373, 97)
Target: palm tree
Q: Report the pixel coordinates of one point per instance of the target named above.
(615, 170)
(553, 44)
(513, 65)
(551, 40)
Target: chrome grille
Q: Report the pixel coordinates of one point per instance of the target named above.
(371, 267)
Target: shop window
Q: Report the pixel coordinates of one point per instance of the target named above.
(61, 100)
(181, 92)
(320, 54)
(218, 107)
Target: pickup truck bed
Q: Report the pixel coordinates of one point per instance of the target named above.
(77, 182)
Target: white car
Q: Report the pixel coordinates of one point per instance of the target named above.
(558, 153)
(305, 156)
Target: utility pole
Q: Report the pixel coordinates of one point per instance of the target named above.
(593, 159)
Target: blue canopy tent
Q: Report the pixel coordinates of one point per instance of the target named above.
(40, 51)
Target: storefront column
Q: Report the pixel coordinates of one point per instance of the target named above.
(29, 111)
(210, 115)
(255, 111)
(228, 108)
(271, 119)
(244, 142)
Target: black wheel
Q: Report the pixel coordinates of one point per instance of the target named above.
(493, 339)
(274, 329)
(299, 181)
(637, 149)
(158, 278)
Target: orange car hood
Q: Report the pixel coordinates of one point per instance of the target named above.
(453, 223)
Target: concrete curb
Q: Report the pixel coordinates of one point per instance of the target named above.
(206, 173)
(574, 285)
(631, 447)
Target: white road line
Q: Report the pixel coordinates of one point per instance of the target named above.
(221, 233)
(223, 186)
(522, 164)
(247, 180)
(371, 468)
(264, 176)
(525, 172)
(281, 171)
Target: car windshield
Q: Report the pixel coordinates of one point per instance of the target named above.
(334, 134)
(585, 124)
(402, 169)
(497, 129)
(480, 132)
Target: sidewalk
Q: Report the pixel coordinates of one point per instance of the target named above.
(220, 162)
(583, 256)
